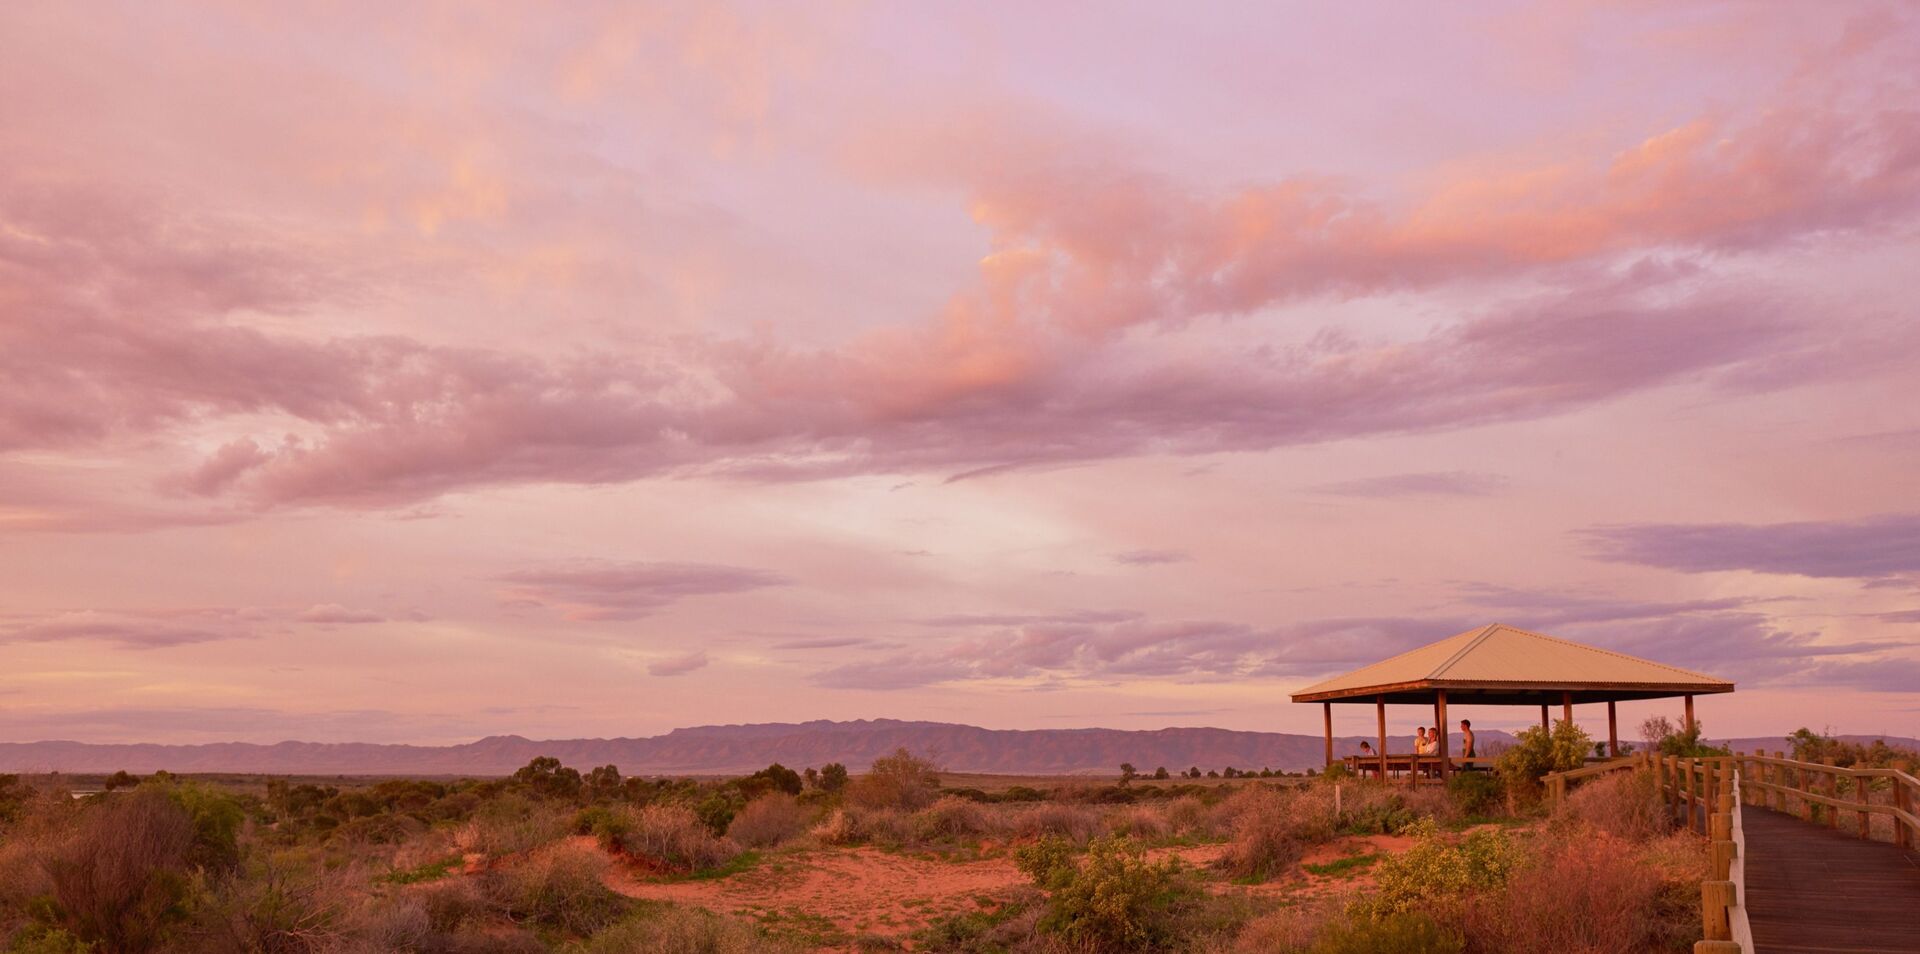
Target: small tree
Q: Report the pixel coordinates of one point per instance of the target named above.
(1161, 773)
(547, 776)
(604, 782)
(1127, 772)
(833, 777)
(901, 780)
(1193, 771)
(779, 778)
(810, 777)
(121, 779)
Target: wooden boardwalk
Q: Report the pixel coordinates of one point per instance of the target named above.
(1813, 890)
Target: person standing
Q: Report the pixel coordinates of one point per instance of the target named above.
(1420, 744)
(1466, 739)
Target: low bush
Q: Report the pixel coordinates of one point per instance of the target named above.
(951, 819)
(1437, 873)
(1113, 898)
(1476, 793)
(1148, 824)
(682, 931)
(673, 838)
(509, 824)
(278, 903)
(559, 887)
(451, 904)
(769, 820)
(121, 879)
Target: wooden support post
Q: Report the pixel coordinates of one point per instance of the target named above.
(1440, 716)
(1544, 724)
(1613, 731)
(1860, 795)
(1718, 947)
(1779, 779)
(1832, 813)
(1902, 800)
(1688, 727)
(1566, 706)
(1725, 801)
(1715, 898)
(1380, 707)
(1327, 709)
(1720, 827)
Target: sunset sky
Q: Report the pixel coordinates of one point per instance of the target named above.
(420, 372)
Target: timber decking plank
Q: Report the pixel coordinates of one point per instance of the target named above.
(1813, 890)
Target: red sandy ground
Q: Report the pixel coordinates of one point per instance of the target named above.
(868, 891)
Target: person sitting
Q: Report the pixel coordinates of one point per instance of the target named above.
(1421, 745)
(1367, 754)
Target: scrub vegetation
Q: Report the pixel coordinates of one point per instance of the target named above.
(555, 859)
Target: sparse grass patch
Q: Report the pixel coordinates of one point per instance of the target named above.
(1344, 867)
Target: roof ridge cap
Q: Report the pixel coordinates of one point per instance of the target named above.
(1481, 637)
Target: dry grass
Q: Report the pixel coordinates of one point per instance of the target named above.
(1270, 830)
(1622, 805)
(683, 931)
(1590, 892)
(1076, 823)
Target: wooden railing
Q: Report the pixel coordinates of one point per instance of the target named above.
(1823, 791)
(1706, 794)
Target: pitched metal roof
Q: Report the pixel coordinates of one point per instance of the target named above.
(1514, 662)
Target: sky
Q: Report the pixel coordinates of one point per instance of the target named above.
(426, 371)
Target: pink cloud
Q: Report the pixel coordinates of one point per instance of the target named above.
(600, 590)
(678, 665)
(335, 613)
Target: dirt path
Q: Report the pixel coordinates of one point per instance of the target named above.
(859, 891)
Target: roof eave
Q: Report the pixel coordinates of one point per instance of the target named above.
(1670, 688)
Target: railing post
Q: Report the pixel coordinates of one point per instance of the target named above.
(1725, 802)
(1780, 779)
(1833, 814)
(1860, 793)
(1903, 801)
(1715, 898)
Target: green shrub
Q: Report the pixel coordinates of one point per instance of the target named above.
(1438, 872)
(1475, 793)
(1384, 816)
(41, 939)
(1404, 933)
(1112, 899)
(1538, 752)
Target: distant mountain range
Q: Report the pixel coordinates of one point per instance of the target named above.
(726, 749)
